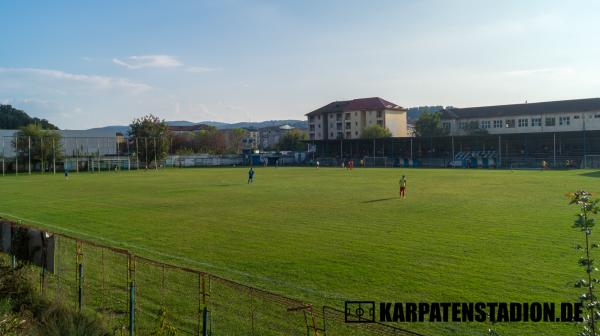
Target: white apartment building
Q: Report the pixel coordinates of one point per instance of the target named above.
(346, 119)
(553, 116)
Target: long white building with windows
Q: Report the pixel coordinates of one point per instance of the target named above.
(553, 116)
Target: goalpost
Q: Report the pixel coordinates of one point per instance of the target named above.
(591, 161)
(109, 164)
(377, 161)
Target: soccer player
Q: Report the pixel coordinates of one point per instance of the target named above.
(402, 186)
(544, 165)
(66, 174)
(250, 175)
(318, 164)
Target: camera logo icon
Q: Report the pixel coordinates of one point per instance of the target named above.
(359, 311)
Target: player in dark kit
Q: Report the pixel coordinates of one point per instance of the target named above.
(250, 175)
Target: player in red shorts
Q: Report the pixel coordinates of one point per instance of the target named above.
(402, 186)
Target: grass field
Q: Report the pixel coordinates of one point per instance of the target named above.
(329, 235)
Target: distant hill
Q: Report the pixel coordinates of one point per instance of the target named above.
(301, 124)
(12, 118)
(116, 129)
(258, 124)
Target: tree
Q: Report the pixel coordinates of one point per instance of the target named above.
(41, 146)
(237, 135)
(150, 136)
(429, 124)
(211, 141)
(12, 118)
(292, 141)
(375, 132)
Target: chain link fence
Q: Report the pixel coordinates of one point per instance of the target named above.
(136, 294)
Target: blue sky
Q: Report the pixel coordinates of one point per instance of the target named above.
(84, 64)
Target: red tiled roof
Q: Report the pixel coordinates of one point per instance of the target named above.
(373, 103)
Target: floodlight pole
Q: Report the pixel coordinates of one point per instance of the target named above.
(128, 156)
(499, 152)
(155, 158)
(29, 153)
(146, 151)
(452, 137)
(76, 155)
(554, 148)
(137, 153)
(42, 152)
(16, 155)
(53, 157)
(3, 169)
(117, 143)
(411, 149)
(87, 153)
(98, 153)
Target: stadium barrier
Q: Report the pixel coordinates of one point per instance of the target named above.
(133, 292)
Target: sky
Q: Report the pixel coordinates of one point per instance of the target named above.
(83, 64)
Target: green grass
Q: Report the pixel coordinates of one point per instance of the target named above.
(329, 235)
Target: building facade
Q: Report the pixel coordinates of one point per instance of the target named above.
(553, 116)
(347, 119)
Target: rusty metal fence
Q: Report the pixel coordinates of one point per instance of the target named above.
(136, 294)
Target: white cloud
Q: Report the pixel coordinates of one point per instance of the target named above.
(199, 69)
(148, 61)
(529, 72)
(97, 82)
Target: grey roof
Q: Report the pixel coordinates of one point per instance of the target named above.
(560, 106)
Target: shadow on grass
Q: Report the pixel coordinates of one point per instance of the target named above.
(591, 174)
(379, 200)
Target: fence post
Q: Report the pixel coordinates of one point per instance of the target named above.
(205, 322)
(132, 308)
(131, 275)
(80, 296)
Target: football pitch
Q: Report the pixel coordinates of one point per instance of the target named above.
(329, 235)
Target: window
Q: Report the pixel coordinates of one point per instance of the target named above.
(347, 116)
(339, 125)
(446, 125)
(348, 125)
(380, 123)
(312, 128)
(523, 122)
(331, 134)
(510, 123)
(596, 115)
(319, 125)
(576, 117)
(550, 121)
(348, 135)
(485, 124)
(536, 122)
(312, 136)
(338, 117)
(340, 135)
(497, 123)
(379, 114)
(356, 122)
(564, 121)
(311, 118)
(462, 125)
(356, 133)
